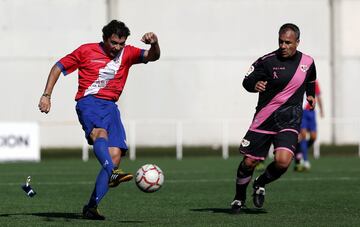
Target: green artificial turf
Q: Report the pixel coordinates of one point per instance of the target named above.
(197, 192)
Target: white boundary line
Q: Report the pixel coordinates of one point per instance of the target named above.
(195, 181)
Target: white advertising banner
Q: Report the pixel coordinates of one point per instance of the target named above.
(19, 141)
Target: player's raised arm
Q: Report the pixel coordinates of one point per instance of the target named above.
(153, 53)
(45, 103)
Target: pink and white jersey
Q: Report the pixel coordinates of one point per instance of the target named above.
(99, 75)
(306, 105)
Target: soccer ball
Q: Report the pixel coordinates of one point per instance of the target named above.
(149, 178)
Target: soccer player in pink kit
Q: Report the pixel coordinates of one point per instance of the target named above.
(281, 78)
(103, 69)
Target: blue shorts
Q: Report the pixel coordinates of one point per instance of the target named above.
(99, 113)
(309, 120)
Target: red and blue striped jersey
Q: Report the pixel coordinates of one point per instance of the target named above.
(100, 75)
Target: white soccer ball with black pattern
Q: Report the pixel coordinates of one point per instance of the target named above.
(149, 178)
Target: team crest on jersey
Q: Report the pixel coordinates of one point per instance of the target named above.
(304, 68)
(251, 69)
(245, 143)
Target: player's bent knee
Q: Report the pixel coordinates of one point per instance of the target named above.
(282, 165)
(249, 163)
(98, 133)
(313, 136)
(283, 162)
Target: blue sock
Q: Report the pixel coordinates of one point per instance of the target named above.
(101, 150)
(303, 148)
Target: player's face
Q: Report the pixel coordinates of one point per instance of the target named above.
(114, 45)
(288, 43)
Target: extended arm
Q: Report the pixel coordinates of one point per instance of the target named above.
(45, 103)
(153, 53)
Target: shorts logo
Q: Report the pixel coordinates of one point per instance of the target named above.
(304, 68)
(245, 143)
(251, 69)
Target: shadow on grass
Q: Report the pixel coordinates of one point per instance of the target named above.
(228, 210)
(48, 215)
(60, 215)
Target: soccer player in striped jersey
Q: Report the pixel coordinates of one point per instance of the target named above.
(281, 78)
(102, 72)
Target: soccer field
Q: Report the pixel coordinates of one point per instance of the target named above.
(197, 192)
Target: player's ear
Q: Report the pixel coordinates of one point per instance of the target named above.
(297, 42)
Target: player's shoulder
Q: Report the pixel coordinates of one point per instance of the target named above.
(265, 58)
(130, 51)
(268, 56)
(131, 48)
(89, 46)
(306, 56)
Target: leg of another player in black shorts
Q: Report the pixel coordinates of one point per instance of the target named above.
(272, 172)
(298, 167)
(243, 178)
(254, 147)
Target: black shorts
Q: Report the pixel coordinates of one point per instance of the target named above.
(256, 145)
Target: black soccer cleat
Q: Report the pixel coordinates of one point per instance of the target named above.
(118, 176)
(299, 168)
(258, 195)
(237, 206)
(92, 213)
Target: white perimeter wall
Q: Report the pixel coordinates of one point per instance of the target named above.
(207, 46)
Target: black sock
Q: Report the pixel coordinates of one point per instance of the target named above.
(243, 178)
(271, 173)
(297, 155)
(310, 143)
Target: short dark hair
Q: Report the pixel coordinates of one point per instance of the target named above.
(290, 26)
(115, 27)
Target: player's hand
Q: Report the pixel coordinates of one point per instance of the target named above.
(312, 102)
(149, 38)
(260, 86)
(44, 104)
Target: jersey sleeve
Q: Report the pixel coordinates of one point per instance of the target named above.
(70, 62)
(135, 55)
(256, 73)
(310, 84)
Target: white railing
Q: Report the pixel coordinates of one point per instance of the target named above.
(225, 138)
(179, 133)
